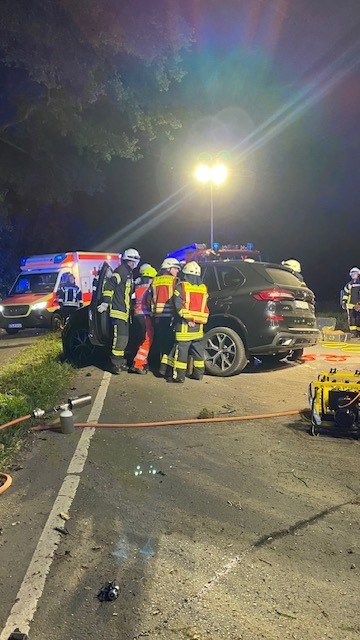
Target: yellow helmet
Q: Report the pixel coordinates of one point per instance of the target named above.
(292, 264)
(148, 271)
(192, 269)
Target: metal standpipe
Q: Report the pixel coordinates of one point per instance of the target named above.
(66, 414)
(67, 421)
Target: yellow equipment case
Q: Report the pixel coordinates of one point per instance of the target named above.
(334, 400)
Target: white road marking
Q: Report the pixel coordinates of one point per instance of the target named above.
(33, 583)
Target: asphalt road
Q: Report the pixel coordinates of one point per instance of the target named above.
(234, 531)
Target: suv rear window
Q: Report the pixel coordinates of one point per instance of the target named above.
(281, 276)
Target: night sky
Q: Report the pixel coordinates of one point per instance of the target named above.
(272, 89)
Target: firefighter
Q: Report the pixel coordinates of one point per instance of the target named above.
(116, 298)
(69, 297)
(163, 313)
(190, 301)
(295, 267)
(142, 318)
(351, 301)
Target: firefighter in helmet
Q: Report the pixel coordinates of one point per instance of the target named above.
(351, 301)
(143, 325)
(294, 266)
(190, 302)
(162, 288)
(116, 296)
(69, 296)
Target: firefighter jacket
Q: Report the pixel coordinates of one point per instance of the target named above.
(351, 295)
(70, 295)
(163, 287)
(142, 299)
(117, 292)
(190, 301)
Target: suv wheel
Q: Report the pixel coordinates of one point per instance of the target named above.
(225, 353)
(77, 346)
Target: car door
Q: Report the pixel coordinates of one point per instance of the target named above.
(99, 323)
(230, 279)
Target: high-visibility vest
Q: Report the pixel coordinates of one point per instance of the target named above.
(162, 290)
(194, 302)
(142, 303)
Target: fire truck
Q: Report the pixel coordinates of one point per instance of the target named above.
(202, 253)
(32, 300)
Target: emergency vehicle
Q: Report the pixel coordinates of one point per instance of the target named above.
(32, 300)
(202, 253)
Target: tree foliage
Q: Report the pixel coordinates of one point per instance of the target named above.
(84, 81)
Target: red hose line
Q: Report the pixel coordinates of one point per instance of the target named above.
(16, 421)
(7, 483)
(166, 423)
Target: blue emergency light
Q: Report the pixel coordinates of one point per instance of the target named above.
(23, 261)
(250, 246)
(59, 258)
(216, 246)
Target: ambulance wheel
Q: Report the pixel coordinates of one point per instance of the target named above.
(225, 352)
(12, 332)
(56, 322)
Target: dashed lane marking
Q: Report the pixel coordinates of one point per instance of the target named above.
(32, 587)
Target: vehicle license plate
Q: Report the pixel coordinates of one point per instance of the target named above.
(300, 304)
(15, 325)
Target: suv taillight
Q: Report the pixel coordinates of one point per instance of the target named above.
(273, 295)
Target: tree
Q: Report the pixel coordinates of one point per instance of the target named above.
(84, 81)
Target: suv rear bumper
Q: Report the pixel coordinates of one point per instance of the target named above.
(286, 340)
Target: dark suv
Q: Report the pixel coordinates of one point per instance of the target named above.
(256, 309)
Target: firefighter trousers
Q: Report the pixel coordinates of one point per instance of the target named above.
(163, 342)
(145, 332)
(182, 350)
(354, 320)
(120, 339)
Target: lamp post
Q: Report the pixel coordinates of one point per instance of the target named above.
(213, 175)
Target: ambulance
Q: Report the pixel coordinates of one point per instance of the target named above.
(32, 300)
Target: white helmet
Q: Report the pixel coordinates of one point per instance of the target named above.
(192, 269)
(354, 270)
(168, 263)
(131, 255)
(292, 264)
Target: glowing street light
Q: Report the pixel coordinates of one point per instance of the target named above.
(217, 175)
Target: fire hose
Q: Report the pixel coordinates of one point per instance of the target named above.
(86, 399)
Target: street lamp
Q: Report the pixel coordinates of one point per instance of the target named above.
(214, 175)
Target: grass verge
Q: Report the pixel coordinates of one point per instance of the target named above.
(36, 378)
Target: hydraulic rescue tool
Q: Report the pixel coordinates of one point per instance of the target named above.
(334, 400)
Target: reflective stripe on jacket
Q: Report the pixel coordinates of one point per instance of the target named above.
(117, 292)
(70, 295)
(142, 305)
(351, 295)
(162, 292)
(191, 302)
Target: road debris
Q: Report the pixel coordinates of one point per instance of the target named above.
(64, 516)
(109, 592)
(62, 530)
(205, 413)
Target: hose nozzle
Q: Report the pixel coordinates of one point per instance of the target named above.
(74, 403)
